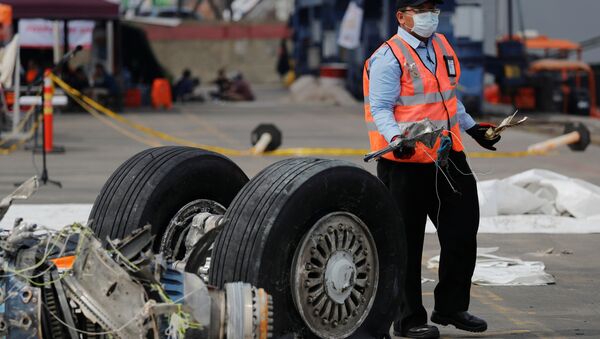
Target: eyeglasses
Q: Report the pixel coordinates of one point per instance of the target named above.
(419, 11)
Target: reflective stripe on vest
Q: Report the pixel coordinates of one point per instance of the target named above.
(421, 98)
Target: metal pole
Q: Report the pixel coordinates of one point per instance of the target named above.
(17, 90)
(56, 41)
(44, 176)
(110, 43)
(66, 46)
(510, 19)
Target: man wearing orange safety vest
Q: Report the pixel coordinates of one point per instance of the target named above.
(411, 77)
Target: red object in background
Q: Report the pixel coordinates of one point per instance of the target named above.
(48, 137)
(525, 98)
(31, 75)
(10, 98)
(161, 93)
(336, 71)
(491, 94)
(48, 112)
(133, 98)
(5, 22)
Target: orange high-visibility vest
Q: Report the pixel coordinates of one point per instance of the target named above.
(422, 95)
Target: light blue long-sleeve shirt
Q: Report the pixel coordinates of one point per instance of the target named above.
(384, 87)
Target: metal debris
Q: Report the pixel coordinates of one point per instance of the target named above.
(23, 192)
(124, 292)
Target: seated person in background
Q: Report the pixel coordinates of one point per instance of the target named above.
(79, 79)
(223, 83)
(183, 90)
(104, 86)
(102, 80)
(239, 90)
(33, 73)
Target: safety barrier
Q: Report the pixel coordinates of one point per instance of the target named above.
(48, 112)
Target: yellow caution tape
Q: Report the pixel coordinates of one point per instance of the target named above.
(94, 107)
(144, 129)
(116, 127)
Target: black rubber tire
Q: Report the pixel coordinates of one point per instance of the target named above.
(269, 217)
(153, 185)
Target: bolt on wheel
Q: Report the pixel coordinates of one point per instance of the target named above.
(335, 275)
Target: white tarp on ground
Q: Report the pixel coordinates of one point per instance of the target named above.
(493, 270)
(308, 89)
(538, 201)
(540, 192)
(51, 215)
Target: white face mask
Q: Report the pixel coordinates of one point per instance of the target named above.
(425, 24)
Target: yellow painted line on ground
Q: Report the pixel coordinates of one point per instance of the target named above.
(73, 93)
(507, 312)
(490, 299)
(489, 334)
(510, 332)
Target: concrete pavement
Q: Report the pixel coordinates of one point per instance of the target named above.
(571, 308)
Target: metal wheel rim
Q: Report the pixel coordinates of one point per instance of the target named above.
(175, 233)
(319, 285)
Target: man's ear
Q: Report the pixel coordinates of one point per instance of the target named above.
(400, 18)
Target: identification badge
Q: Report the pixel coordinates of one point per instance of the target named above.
(413, 69)
(450, 66)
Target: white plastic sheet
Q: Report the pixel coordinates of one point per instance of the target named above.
(540, 192)
(54, 216)
(538, 201)
(493, 270)
(308, 88)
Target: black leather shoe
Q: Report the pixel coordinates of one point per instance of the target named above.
(421, 331)
(462, 320)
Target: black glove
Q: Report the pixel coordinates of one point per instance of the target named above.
(406, 152)
(477, 132)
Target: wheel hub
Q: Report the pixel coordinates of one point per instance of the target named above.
(340, 275)
(172, 244)
(335, 275)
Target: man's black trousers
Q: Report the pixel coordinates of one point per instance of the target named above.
(456, 217)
